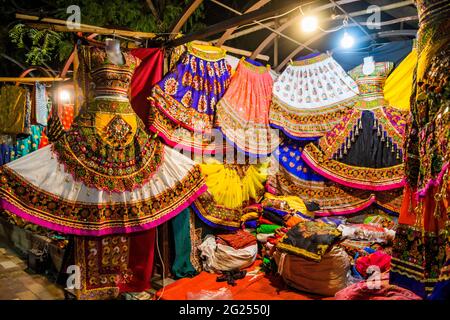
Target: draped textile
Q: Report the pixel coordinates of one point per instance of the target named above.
(114, 264)
(398, 86)
(13, 105)
(145, 76)
(421, 254)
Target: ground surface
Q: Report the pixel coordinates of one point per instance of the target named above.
(17, 283)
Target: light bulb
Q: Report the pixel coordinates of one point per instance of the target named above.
(64, 96)
(347, 41)
(309, 24)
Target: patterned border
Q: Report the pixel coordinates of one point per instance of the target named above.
(44, 209)
(308, 123)
(376, 179)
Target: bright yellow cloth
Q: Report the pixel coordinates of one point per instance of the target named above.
(229, 189)
(294, 203)
(398, 86)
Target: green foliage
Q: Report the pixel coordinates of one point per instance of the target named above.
(43, 42)
(43, 46)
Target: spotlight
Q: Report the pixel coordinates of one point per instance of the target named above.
(309, 24)
(347, 41)
(64, 96)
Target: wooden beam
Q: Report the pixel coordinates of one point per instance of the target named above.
(265, 12)
(28, 80)
(63, 26)
(229, 32)
(153, 9)
(296, 51)
(188, 11)
(237, 51)
(284, 25)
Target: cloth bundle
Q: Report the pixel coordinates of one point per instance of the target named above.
(217, 257)
(324, 278)
(309, 239)
(367, 232)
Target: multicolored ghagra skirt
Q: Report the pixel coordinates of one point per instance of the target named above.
(364, 151)
(290, 175)
(243, 112)
(104, 176)
(184, 102)
(311, 96)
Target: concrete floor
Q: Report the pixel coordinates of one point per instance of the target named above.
(16, 283)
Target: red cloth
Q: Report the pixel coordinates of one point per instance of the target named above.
(142, 249)
(238, 240)
(114, 263)
(378, 258)
(145, 76)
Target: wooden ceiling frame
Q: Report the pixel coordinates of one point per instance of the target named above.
(267, 41)
(187, 13)
(258, 4)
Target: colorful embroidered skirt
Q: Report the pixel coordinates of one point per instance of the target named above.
(364, 151)
(184, 102)
(311, 96)
(105, 176)
(243, 112)
(231, 191)
(290, 175)
(421, 255)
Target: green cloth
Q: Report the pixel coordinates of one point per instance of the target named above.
(267, 228)
(182, 266)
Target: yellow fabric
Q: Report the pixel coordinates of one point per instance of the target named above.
(103, 119)
(293, 202)
(250, 216)
(229, 189)
(398, 86)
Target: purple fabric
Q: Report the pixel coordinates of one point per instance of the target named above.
(201, 78)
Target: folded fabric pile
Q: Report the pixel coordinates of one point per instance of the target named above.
(218, 257)
(367, 232)
(309, 239)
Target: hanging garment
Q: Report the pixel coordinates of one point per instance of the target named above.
(231, 188)
(311, 96)
(41, 103)
(420, 260)
(29, 143)
(185, 263)
(7, 153)
(66, 115)
(184, 102)
(113, 264)
(398, 86)
(243, 111)
(289, 175)
(146, 75)
(13, 110)
(105, 175)
(364, 151)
